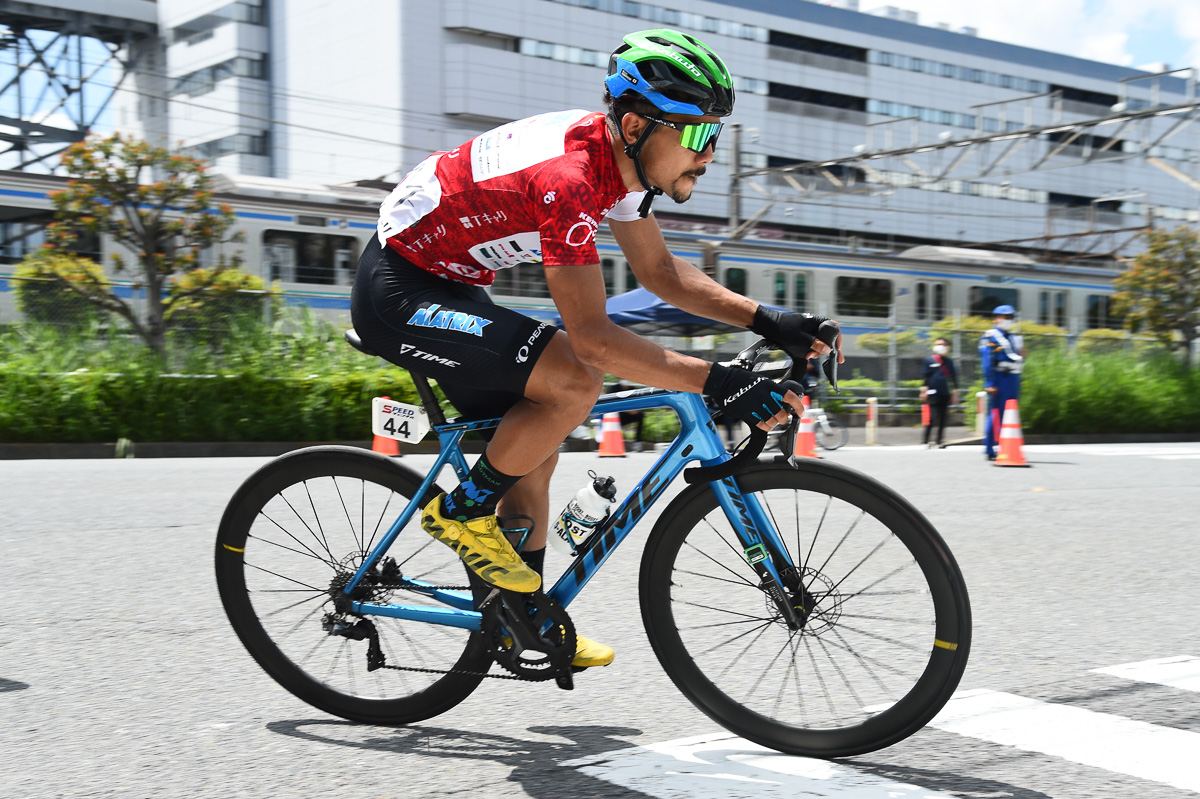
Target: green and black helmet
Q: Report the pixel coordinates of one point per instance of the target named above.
(676, 72)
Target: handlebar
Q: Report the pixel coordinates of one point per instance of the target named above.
(827, 333)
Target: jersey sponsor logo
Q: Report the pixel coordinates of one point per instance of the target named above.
(417, 196)
(487, 218)
(466, 270)
(581, 232)
(514, 250)
(446, 319)
(521, 144)
(413, 352)
(523, 353)
(549, 198)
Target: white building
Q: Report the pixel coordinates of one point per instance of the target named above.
(336, 91)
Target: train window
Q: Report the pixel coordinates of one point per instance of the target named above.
(735, 280)
(309, 257)
(1099, 312)
(631, 281)
(1052, 308)
(985, 299)
(525, 280)
(608, 269)
(781, 287)
(930, 300)
(863, 296)
(800, 297)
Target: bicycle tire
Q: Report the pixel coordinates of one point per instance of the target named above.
(832, 434)
(857, 626)
(278, 560)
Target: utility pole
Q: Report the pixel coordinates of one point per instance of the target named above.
(735, 166)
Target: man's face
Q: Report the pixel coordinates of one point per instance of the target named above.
(671, 166)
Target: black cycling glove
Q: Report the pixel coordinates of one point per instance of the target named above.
(744, 395)
(794, 332)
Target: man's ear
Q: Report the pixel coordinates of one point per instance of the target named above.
(632, 126)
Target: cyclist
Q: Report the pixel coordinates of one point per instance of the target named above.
(535, 191)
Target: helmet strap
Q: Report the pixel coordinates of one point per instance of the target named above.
(634, 151)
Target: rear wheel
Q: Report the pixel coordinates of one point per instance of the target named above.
(887, 622)
(290, 540)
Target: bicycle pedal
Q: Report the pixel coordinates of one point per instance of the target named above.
(565, 681)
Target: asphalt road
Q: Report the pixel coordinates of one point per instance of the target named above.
(120, 676)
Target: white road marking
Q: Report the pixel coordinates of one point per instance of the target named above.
(1094, 739)
(1189, 457)
(713, 765)
(1182, 671)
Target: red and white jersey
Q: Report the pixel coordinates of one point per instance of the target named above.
(531, 191)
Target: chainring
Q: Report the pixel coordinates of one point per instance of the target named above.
(530, 635)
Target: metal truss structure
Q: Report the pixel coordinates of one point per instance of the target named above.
(46, 75)
(1016, 149)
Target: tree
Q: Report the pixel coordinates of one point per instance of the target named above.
(159, 205)
(41, 296)
(878, 343)
(1160, 293)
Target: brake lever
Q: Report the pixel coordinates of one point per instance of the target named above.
(828, 333)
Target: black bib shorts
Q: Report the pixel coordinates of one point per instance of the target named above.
(481, 354)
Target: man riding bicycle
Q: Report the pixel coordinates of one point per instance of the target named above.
(535, 191)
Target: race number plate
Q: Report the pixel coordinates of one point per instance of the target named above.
(391, 419)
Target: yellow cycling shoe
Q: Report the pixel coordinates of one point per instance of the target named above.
(483, 547)
(591, 653)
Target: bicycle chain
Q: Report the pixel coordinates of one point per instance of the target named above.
(464, 672)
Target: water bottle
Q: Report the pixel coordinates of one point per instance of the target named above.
(583, 514)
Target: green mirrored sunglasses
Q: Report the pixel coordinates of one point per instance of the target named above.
(697, 136)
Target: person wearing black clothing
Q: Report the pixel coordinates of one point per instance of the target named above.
(937, 376)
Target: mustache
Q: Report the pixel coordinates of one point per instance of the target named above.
(695, 173)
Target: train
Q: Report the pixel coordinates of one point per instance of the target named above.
(306, 239)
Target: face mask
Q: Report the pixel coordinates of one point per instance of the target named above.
(939, 349)
(1005, 324)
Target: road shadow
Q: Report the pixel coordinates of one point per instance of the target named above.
(945, 781)
(12, 685)
(535, 764)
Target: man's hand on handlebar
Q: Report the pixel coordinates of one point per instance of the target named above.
(799, 334)
(752, 398)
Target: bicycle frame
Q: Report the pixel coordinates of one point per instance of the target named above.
(697, 440)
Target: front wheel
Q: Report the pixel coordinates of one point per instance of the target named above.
(831, 433)
(887, 622)
(290, 540)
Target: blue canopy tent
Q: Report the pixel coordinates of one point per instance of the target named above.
(647, 315)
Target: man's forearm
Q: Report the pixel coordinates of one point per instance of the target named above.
(683, 285)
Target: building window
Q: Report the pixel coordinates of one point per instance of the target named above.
(802, 94)
(930, 300)
(309, 258)
(984, 300)
(1052, 308)
(1099, 312)
(608, 270)
(818, 46)
(524, 280)
(201, 28)
(631, 281)
(800, 295)
(205, 80)
(863, 296)
(735, 280)
(244, 143)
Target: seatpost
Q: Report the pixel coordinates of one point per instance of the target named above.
(425, 392)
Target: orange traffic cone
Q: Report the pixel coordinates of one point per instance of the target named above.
(806, 436)
(1011, 438)
(612, 440)
(386, 446)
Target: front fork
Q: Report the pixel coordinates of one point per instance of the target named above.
(762, 547)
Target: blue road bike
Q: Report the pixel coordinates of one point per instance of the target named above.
(804, 606)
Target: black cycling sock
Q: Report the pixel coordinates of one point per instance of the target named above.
(479, 493)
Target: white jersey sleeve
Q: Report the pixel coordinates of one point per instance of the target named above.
(626, 210)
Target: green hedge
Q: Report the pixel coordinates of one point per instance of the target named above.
(1109, 394)
(145, 406)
